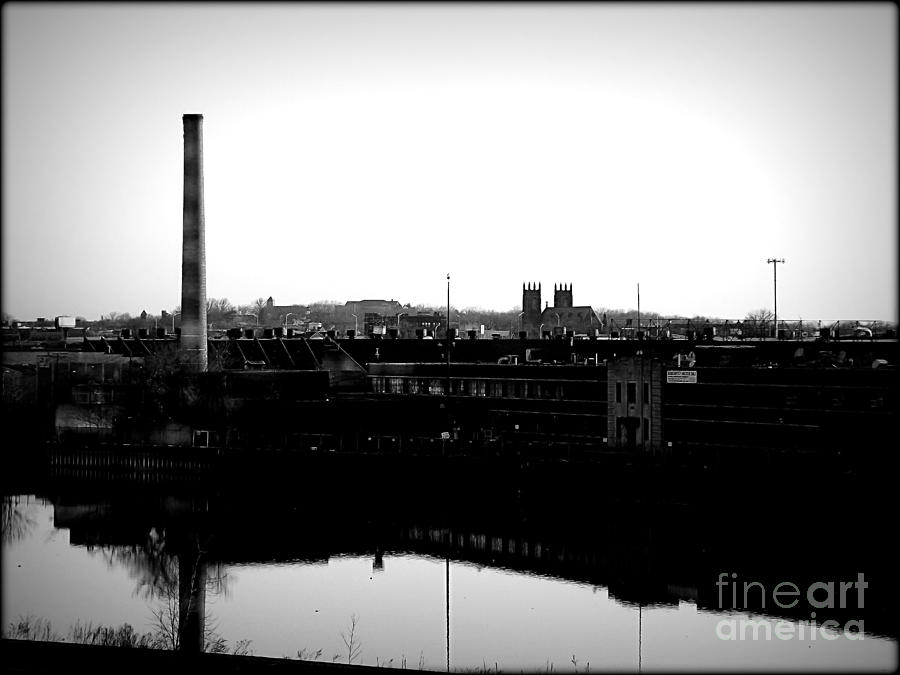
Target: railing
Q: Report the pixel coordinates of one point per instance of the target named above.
(152, 465)
(749, 329)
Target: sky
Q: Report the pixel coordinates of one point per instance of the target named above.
(368, 150)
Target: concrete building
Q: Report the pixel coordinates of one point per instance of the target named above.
(280, 315)
(368, 316)
(634, 403)
(385, 308)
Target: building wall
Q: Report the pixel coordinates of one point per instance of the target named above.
(634, 403)
(382, 307)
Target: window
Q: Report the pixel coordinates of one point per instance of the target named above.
(396, 385)
(618, 392)
(413, 386)
(632, 392)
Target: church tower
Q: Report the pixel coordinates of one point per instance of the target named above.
(562, 295)
(531, 306)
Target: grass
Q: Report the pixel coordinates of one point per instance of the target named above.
(37, 628)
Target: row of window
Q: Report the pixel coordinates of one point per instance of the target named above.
(772, 396)
(93, 395)
(482, 388)
(97, 371)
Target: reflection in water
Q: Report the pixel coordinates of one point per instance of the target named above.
(523, 585)
(18, 518)
(170, 566)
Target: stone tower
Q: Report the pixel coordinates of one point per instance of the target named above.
(531, 306)
(562, 295)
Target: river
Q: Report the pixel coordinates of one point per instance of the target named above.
(510, 588)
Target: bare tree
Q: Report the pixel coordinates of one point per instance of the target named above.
(17, 521)
(219, 311)
(353, 645)
(758, 320)
(759, 315)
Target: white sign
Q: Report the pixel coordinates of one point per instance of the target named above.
(445, 435)
(681, 376)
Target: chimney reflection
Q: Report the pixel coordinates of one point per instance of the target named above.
(192, 572)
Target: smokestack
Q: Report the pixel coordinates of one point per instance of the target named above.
(193, 249)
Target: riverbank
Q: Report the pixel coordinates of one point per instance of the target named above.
(37, 658)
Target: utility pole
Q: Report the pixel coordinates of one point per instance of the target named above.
(448, 339)
(639, 308)
(775, 262)
(640, 353)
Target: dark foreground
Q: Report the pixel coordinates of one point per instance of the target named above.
(25, 656)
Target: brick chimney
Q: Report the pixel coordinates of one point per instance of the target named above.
(193, 249)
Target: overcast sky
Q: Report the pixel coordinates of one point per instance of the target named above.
(365, 151)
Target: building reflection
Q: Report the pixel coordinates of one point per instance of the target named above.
(645, 556)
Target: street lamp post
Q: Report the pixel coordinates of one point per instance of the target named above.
(447, 332)
(521, 314)
(774, 262)
(355, 323)
(286, 318)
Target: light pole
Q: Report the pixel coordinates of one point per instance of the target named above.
(355, 323)
(286, 317)
(447, 332)
(775, 262)
(398, 322)
(521, 314)
(639, 310)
